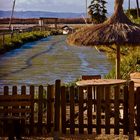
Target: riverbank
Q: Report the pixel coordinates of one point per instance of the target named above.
(18, 39)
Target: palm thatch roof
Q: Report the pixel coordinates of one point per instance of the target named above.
(118, 29)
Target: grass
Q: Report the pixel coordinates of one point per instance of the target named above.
(18, 39)
(129, 57)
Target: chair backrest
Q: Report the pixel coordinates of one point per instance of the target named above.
(89, 77)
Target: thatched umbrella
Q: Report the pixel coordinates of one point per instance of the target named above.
(118, 30)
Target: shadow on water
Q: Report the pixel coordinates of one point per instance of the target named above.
(44, 61)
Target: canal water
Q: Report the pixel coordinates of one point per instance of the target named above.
(42, 62)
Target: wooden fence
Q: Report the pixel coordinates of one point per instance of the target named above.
(82, 110)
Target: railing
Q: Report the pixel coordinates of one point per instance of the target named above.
(83, 110)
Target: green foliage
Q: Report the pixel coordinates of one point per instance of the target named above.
(97, 11)
(128, 63)
(20, 38)
(132, 13)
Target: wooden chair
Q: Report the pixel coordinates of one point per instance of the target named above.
(90, 77)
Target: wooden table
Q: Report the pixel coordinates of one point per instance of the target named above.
(97, 82)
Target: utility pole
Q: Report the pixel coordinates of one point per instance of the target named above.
(86, 10)
(14, 1)
(138, 9)
(129, 5)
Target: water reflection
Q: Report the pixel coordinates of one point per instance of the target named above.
(49, 59)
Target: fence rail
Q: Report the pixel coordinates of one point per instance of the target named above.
(83, 110)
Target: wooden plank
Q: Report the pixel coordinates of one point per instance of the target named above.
(125, 115)
(14, 97)
(116, 107)
(49, 109)
(81, 102)
(14, 92)
(98, 117)
(23, 92)
(89, 110)
(15, 110)
(40, 109)
(138, 110)
(6, 92)
(63, 109)
(107, 110)
(15, 103)
(89, 77)
(32, 91)
(57, 106)
(72, 123)
(131, 110)
(52, 102)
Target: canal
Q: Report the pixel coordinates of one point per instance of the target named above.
(42, 62)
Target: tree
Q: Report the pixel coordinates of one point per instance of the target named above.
(97, 11)
(104, 11)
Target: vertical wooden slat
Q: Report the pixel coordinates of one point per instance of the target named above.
(23, 92)
(32, 91)
(116, 106)
(50, 107)
(52, 102)
(98, 115)
(14, 92)
(81, 102)
(57, 106)
(40, 109)
(49, 113)
(6, 90)
(107, 110)
(138, 110)
(72, 127)
(131, 110)
(63, 108)
(89, 110)
(125, 115)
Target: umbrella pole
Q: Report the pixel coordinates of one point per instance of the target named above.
(118, 62)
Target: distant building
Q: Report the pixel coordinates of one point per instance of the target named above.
(67, 30)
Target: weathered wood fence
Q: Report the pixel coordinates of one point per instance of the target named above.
(83, 110)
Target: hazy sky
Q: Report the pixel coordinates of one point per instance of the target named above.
(55, 5)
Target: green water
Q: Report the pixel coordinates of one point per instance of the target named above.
(44, 61)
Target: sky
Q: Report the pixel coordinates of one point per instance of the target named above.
(76, 6)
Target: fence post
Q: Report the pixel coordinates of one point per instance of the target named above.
(107, 110)
(72, 127)
(116, 106)
(32, 91)
(63, 109)
(131, 110)
(57, 120)
(89, 110)
(40, 109)
(50, 112)
(125, 115)
(138, 110)
(81, 110)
